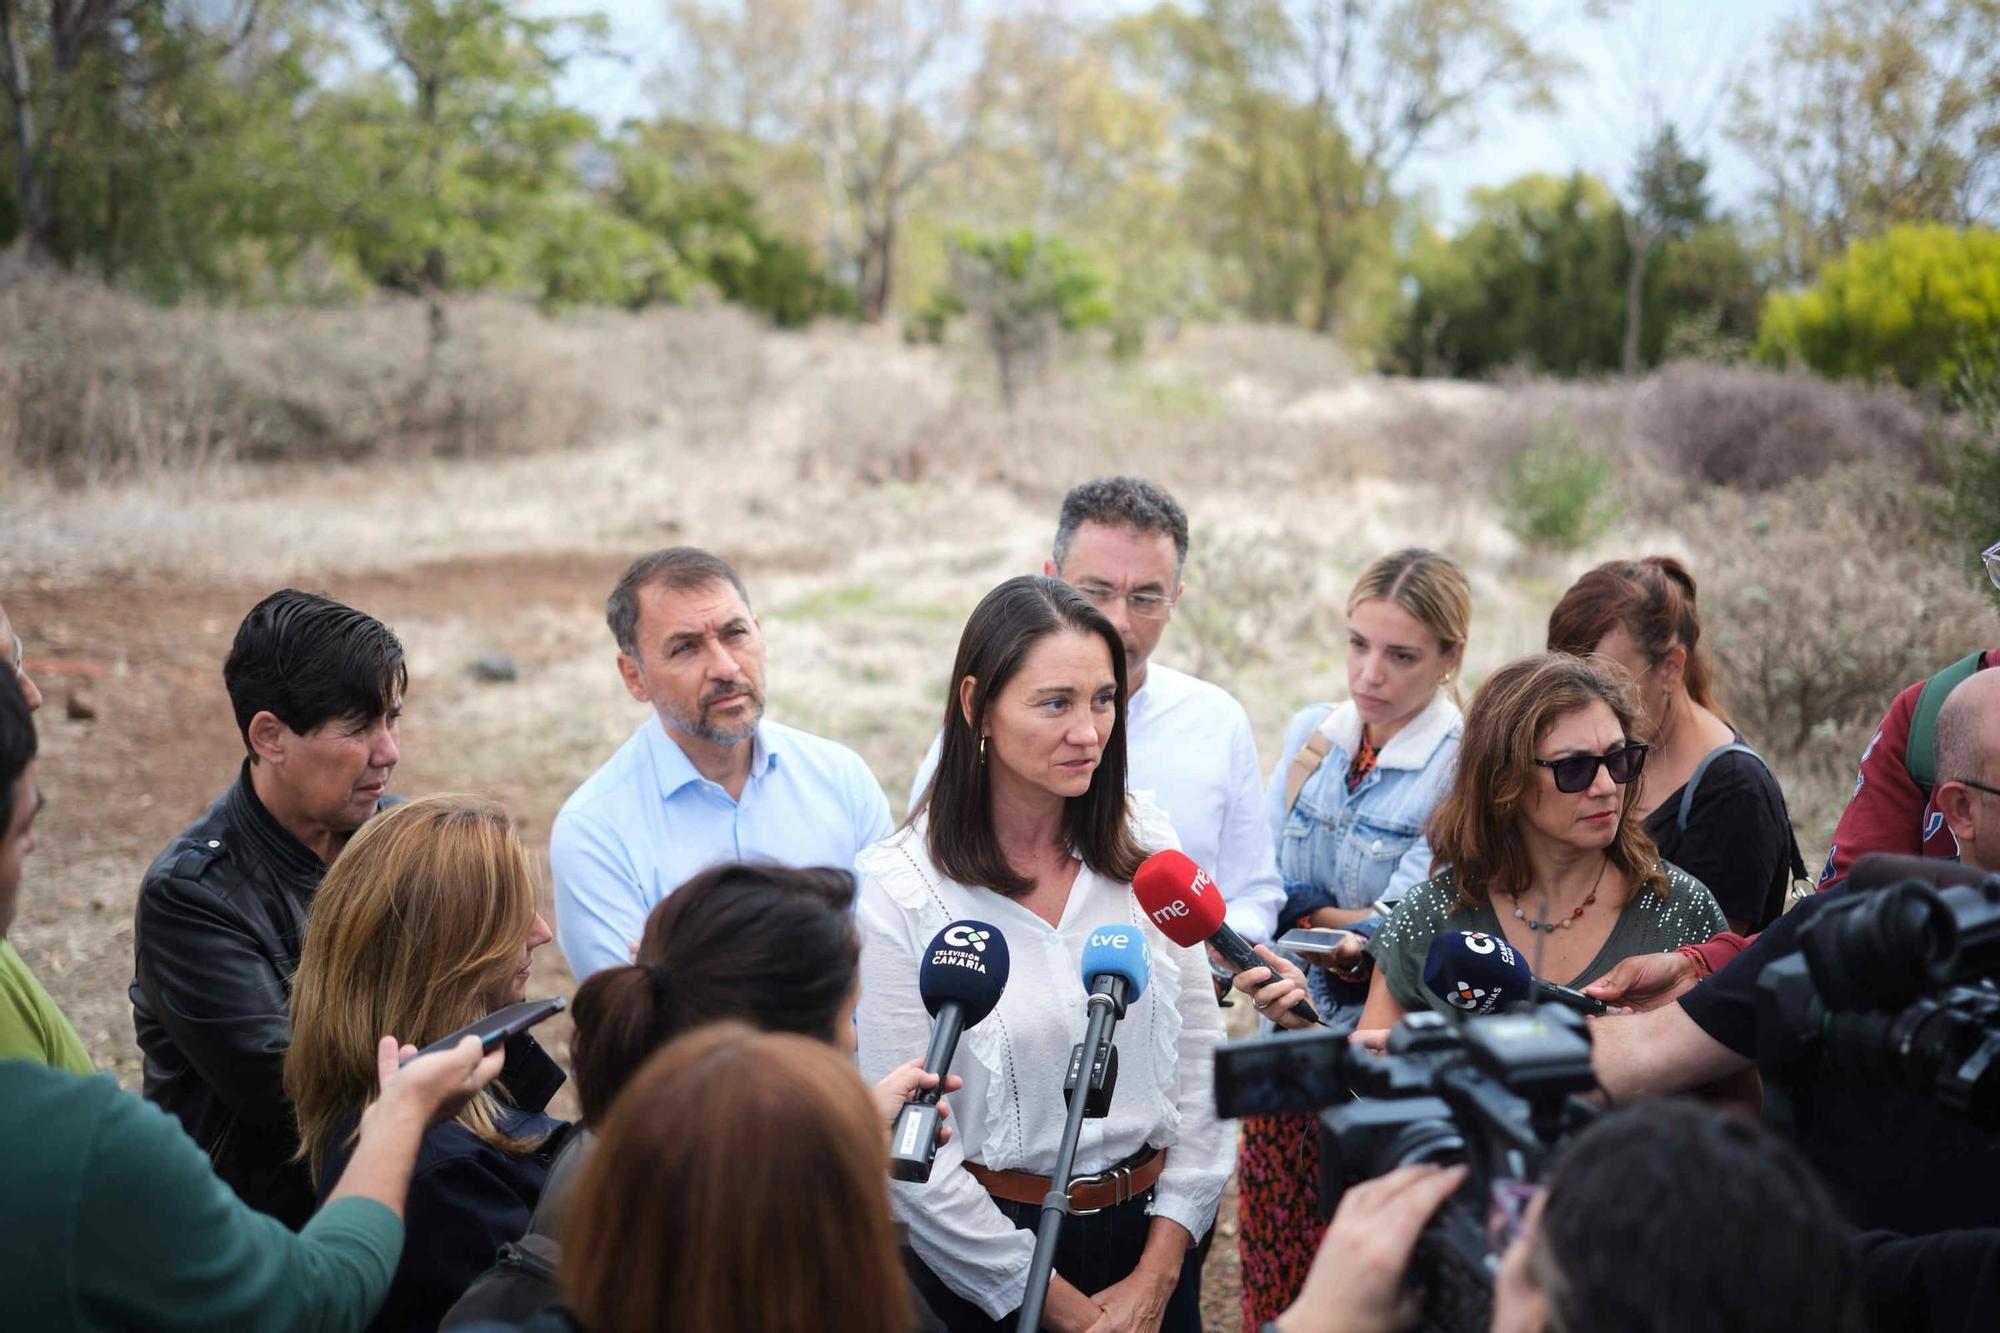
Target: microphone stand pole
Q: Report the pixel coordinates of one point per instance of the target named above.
(1107, 1006)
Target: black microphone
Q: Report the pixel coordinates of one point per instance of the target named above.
(960, 978)
(1478, 974)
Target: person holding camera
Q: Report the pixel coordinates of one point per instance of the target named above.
(1622, 1238)
(1347, 805)
(1540, 840)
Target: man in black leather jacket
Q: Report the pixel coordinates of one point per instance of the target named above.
(317, 689)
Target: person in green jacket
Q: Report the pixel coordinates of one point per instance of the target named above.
(31, 1027)
(114, 1218)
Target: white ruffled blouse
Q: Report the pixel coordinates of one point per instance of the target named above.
(1009, 1115)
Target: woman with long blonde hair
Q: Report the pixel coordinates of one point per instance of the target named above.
(426, 923)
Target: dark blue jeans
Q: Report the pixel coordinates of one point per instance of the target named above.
(1091, 1252)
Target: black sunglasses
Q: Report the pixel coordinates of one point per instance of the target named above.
(1575, 772)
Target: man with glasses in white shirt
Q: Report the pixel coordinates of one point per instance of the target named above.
(1123, 542)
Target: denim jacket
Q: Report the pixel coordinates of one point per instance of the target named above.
(1342, 849)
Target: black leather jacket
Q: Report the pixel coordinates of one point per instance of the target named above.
(221, 917)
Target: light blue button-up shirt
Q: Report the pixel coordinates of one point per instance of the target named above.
(647, 822)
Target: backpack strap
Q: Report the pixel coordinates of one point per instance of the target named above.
(1920, 750)
(1694, 781)
(1304, 764)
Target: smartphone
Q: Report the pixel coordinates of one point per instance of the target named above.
(498, 1027)
(1316, 944)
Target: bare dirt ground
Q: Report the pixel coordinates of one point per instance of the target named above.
(867, 507)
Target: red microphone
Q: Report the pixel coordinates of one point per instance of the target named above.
(1187, 906)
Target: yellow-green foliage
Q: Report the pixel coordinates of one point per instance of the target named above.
(1906, 305)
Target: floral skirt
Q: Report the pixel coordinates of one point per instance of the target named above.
(1277, 1210)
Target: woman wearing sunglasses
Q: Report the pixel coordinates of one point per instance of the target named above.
(1539, 840)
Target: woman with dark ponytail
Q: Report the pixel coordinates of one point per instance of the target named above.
(1709, 801)
(761, 944)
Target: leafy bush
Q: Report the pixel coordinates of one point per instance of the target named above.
(1904, 306)
(96, 385)
(1559, 490)
(1755, 430)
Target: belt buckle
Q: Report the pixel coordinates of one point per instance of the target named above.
(1121, 1176)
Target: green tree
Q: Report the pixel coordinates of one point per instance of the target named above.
(1669, 201)
(1534, 279)
(1021, 288)
(1874, 112)
(443, 172)
(682, 184)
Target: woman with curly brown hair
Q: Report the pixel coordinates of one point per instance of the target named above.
(1539, 840)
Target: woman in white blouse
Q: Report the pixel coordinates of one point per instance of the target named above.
(1026, 825)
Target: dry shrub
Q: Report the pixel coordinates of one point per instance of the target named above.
(96, 385)
(1821, 602)
(1756, 430)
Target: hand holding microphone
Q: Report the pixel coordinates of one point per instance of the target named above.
(1188, 908)
(963, 972)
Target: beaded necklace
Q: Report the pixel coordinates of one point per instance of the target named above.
(1552, 926)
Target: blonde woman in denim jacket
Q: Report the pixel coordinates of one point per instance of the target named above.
(1347, 805)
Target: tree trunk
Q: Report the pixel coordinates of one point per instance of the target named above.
(878, 255)
(36, 222)
(1635, 300)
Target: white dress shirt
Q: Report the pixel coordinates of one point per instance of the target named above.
(1010, 1113)
(1188, 742)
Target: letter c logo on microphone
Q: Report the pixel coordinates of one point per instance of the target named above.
(965, 937)
(1478, 941)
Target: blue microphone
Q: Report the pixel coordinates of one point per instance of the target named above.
(1116, 967)
(963, 971)
(1117, 954)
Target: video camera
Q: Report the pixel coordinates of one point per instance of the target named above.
(1496, 1093)
(1894, 984)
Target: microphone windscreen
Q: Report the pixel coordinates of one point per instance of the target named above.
(1477, 973)
(1179, 897)
(1118, 951)
(967, 963)
(1880, 869)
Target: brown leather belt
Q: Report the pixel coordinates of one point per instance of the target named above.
(1087, 1194)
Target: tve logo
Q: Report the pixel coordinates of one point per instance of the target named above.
(1110, 939)
(965, 937)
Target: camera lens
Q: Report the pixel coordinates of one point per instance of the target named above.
(1881, 949)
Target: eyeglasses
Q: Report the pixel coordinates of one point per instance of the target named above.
(1575, 772)
(1145, 605)
(1990, 557)
(1977, 786)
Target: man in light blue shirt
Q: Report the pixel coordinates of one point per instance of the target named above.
(1122, 543)
(707, 779)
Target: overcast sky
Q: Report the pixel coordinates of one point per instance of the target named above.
(1678, 52)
